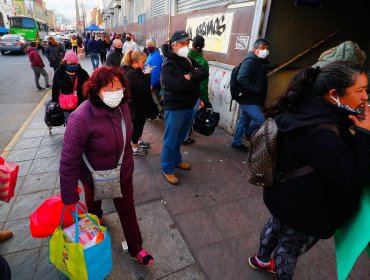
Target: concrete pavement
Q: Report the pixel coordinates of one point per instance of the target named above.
(204, 228)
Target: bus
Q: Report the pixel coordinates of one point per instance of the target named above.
(32, 29)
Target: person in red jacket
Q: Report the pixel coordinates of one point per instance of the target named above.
(37, 66)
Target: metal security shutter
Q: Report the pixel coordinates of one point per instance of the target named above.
(157, 8)
(186, 6)
(131, 11)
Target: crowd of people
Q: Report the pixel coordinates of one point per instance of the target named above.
(321, 132)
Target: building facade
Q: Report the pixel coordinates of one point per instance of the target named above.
(6, 10)
(36, 9)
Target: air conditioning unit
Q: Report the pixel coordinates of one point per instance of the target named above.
(117, 4)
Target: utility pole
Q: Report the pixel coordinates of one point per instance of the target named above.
(83, 14)
(77, 19)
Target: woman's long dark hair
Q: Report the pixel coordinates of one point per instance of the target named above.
(337, 75)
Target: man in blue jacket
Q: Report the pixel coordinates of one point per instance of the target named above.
(252, 77)
(94, 50)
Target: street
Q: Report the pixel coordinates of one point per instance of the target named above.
(18, 94)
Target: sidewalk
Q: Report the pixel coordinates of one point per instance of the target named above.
(204, 228)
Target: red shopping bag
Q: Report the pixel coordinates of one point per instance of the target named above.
(46, 218)
(8, 179)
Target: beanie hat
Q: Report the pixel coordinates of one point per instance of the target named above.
(71, 57)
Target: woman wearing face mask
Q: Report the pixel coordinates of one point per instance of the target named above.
(67, 84)
(322, 166)
(141, 104)
(95, 129)
(54, 52)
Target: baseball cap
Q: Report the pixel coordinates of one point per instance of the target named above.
(180, 36)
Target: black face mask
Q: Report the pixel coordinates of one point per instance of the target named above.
(128, 38)
(50, 43)
(119, 50)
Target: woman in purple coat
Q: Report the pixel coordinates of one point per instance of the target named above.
(95, 129)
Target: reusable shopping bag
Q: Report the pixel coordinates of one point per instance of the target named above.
(352, 238)
(46, 218)
(76, 262)
(69, 101)
(8, 179)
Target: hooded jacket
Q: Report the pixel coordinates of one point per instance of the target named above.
(198, 57)
(62, 83)
(35, 58)
(320, 202)
(114, 59)
(178, 92)
(155, 59)
(252, 77)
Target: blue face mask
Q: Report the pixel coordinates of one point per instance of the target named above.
(345, 107)
(72, 68)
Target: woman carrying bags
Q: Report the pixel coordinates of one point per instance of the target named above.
(142, 104)
(67, 84)
(100, 129)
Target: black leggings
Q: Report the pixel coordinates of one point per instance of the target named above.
(103, 58)
(286, 243)
(74, 48)
(138, 123)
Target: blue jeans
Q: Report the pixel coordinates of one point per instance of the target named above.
(250, 119)
(94, 57)
(177, 125)
(196, 108)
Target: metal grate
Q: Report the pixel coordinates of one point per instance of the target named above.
(157, 8)
(186, 6)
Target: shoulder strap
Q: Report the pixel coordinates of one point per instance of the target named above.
(123, 150)
(75, 84)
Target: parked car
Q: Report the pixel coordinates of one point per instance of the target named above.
(45, 42)
(13, 43)
(66, 39)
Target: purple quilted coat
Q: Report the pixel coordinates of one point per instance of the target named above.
(97, 133)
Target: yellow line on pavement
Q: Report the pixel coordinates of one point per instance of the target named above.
(24, 126)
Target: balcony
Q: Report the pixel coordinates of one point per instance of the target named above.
(117, 4)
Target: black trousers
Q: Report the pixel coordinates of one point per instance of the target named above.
(138, 123)
(103, 58)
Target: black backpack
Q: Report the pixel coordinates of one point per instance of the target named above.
(205, 121)
(53, 115)
(237, 92)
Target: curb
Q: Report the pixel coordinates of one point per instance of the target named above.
(24, 126)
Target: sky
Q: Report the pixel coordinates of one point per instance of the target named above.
(68, 7)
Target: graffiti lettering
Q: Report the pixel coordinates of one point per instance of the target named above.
(208, 28)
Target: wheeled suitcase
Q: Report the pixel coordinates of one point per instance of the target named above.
(53, 115)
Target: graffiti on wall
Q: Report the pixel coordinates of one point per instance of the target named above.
(159, 35)
(218, 84)
(241, 42)
(215, 28)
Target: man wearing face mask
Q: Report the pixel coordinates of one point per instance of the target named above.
(252, 77)
(115, 57)
(129, 44)
(180, 78)
(67, 84)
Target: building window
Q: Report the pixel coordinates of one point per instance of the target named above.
(141, 19)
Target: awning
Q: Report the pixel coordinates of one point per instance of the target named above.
(93, 27)
(4, 30)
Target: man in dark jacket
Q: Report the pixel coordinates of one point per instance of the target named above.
(180, 78)
(37, 66)
(115, 57)
(94, 50)
(252, 77)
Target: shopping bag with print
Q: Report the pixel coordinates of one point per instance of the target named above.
(8, 179)
(83, 250)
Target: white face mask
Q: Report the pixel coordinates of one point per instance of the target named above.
(183, 52)
(263, 53)
(112, 98)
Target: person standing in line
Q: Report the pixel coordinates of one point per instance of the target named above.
(129, 44)
(115, 57)
(54, 53)
(154, 63)
(37, 66)
(141, 105)
(91, 130)
(86, 42)
(323, 163)
(196, 52)
(180, 79)
(74, 43)
(104, 45)
(94, 50)
(252, 78)
(67, 80)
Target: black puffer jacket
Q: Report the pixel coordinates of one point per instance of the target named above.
(178, 92)
(252, 77)
(63, 83)
(142, 104)
(114, 59)
(320, 202)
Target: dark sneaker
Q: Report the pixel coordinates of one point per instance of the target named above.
(48, 86)
(144, 258)
(188, 141)
(240, 147)
(140, 151)
(144, 144)
(40, 88)
(256, 264)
